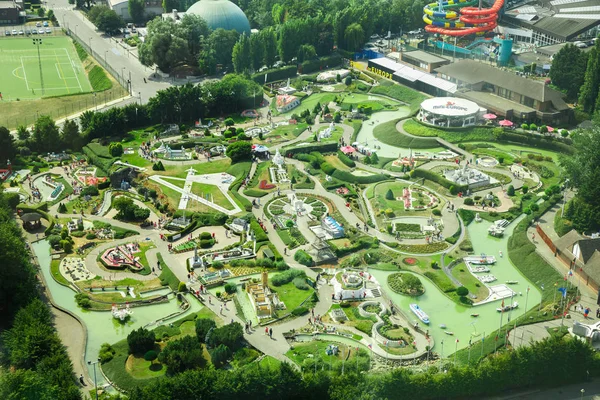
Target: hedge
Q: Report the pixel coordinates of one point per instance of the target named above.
(259, 233)
(303, 258)
(40, 210)
(286, 277)
(102, 163)
(432, 176)
(321, 63)
(535, 141)
(364, 242)
(275, 74)
(320, 148)
(346, 160)
(348, 177)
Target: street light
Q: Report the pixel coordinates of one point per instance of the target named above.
(105, 57)
(90, 43)
(38, 42)
(582, 393)
(95, 381)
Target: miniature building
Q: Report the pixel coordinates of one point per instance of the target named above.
(287, 102)
(332, 227)
(264, 301)
(287, 89)
(31, 221)
(472, 178)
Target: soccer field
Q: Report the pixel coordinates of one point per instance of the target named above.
(62, 70)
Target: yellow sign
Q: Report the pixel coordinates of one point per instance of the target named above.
(380, 72)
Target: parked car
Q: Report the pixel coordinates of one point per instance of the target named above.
(7, 33)
(14, 32)
(48, 30)
(34, 31)
(28, 31)
(21, 32)
(38, 24)
(45, 24)
(41, 31)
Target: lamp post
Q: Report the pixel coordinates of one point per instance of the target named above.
(37, 42)
(90, 40)
(95, 381)
(105, 57)
(582, 393)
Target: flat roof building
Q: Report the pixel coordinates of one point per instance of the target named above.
(9, 13)
(420, 59)
(506, 93)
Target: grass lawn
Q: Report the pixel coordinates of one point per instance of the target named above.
(455, 136)
(173, 196)
(335, 136)
(337, 163)
(136, 159)
(356, 98)
(180, 171)
(388, 134)
(287, 239)
(291, 296)
(356, 125)
(211, 193)
(55, 270)
(177, 182)
(315, 351)
(399, 351)
(144, 247)
(461, 272)
(309, 103)
(282, 134)
(400, 92)
(522, 151)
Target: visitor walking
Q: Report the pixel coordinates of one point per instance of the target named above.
(271, 333)
(266, 330)
(221, 309)
(82, 380)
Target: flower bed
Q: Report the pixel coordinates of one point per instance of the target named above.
(410, 261)
(264, 185)
(405, 284)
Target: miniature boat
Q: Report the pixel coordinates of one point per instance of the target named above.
(480, 269)
(449, 333)
(512, 282)
(498, 227)
(419, 313)
(481, 260)
(508, 307)
(475, 315)
(443, 326)
(501, 255)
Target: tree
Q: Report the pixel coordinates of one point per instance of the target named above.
(22, 132)
(137, 9)
(591, 85)
(70, 135)
(374, 158)
(115, 149)
(270, 43)
(164, 45)
(525, 189)
(7, 145)
(105, 19)
(354, 37)
(220, 355)
(203, 326)
(140, 341)
(568, 69)
(46, 136)
(462, 291)
(41, 12)
(230, 335)
(240, 55)
(389, 195)
(169, 5)
(217, 50)
(128, 211)
(181, 355)
(194, 30)
(257, 51)
(306, 52)
(239, 151)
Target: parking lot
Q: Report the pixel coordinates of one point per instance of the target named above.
(39, 28)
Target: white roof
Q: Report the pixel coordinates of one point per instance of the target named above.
(450, 106)
(387, 63)
(409, 73)
(412, 75)
(438, 83)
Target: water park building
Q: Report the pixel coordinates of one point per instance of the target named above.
(412, 77)
(452, 112)
(507, 94)
(422, 60)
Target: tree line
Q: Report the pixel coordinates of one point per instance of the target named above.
(176, 104)
(550, 362)
(35, 362)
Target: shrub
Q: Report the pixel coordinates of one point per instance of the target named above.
(182, 287)
(83, 300)
(533, 127)
(462, 291)
(286, 277)
(524, 126)
(220, 355)
(230, 335)
(181, 355)
(469, 201)
(106, 353)
(389, 195)
(90, 236)
(525, 189)
(510, 191)
(346, 160)
(437, 212)
(140, 341)
(150, 355)
(300, 283)
(230, 288)
(205, 235)
(299, 311)
(303, 258)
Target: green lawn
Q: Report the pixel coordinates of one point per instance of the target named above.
(180, 171)
(211, 193)
(400, 92)
(335, 136)
(461, 272)
(136, 159)
(388, 134)
(291, 296)
(283, 133)
(62, 70)
(309, 103)
(454, 136)
(177, 182)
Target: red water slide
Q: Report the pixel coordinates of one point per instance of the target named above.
(480, 20)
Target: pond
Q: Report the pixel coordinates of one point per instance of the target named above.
(457, 318)
(101, 326)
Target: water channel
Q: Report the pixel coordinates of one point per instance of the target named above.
(101, 326)
(457, 318)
